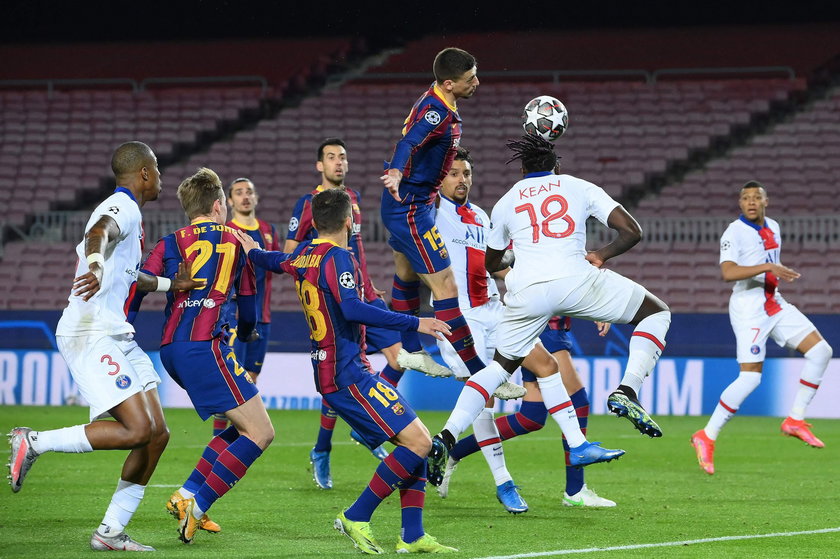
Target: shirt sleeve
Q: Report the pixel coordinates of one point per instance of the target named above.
(301, 223)
(601, 204)
(498, 236)
(339, 273)
(268, 259)
(125, 218)
(728, 246)
(428, 122)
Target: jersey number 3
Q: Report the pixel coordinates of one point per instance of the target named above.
(546, 209)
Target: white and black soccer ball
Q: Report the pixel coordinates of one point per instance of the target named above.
(545, 116)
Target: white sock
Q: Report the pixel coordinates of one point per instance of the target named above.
(68, 439)
(816, 361)
(490, 443)
(124, 503)
(560, 407)
(730, 400)
(474, 397)
(186, 494)
(646, 345)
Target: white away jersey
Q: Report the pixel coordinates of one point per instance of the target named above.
(464, 229)
(105, 311)
(747, 244)
(545, 216)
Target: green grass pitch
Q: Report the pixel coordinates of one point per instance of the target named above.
(765, 484)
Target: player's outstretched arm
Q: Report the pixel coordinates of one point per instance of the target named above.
(391, 179)
(730, 271)
(434, 327)
(96, 239)
(629, 234)
(268, 259)
(183, 280)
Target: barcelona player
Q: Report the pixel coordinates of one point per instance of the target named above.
(195, 351)
(329, 284)
(333, 164)
(420, 161)
(243, 200)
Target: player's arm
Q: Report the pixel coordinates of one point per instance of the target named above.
(96, 239)
(629, 234)
(498, 261)
(267, 259)
(419, 133)
(730, 271)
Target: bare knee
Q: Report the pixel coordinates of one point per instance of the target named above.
(139, 435)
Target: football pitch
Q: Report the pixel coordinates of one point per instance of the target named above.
(771, 496)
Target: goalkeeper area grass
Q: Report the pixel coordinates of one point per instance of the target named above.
(772, 496)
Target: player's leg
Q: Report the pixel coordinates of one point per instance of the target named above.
(817, 353)
(255, 434)
(405, 297)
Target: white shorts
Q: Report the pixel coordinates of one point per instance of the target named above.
(107, 369)
(603, 295)
(752, 327)
(483, 322)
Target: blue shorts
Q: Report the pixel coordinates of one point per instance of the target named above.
(252, 354)
(414, 234)
(208, 371)
(378, 338)
(372, 408)
(553, 340)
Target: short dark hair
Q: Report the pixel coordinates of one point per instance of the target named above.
(330, 209)
(451, 63)
(130, 157)
(330, 142)
(753, 184)
(463, 154)
(535, 152)
(240, 179)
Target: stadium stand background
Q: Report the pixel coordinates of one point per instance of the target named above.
(671, 121)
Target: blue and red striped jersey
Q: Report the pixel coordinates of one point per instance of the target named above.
(327, 281)
(217, 257)
(266, 236)
(425, 153)
(302, 228)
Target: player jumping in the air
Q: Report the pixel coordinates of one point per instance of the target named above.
(329, 285)
(750, 256)
(412, 178)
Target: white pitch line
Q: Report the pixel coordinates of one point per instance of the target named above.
(662, 544)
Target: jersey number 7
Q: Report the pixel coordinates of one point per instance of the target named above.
(549, 215)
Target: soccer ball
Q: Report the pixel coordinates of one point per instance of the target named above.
(545, 116)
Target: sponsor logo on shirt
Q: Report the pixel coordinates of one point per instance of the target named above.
(191, 303)
(319, 355)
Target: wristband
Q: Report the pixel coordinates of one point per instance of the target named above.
(163, 284)
(96, 257)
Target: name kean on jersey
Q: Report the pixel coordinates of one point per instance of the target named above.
(307, 261)
(197, 230)
(534, 191)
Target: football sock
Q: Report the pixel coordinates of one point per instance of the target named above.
(574, 475)
(220, 423)
(474, 396)
(646, 345)
(397, 471)
(391, 375)
(68, 439)
(560, 407)
(730, 400)
(328, 418)
(487, 435)
(124, 503)
(412, 499)
(231, 466)
(405, 298)
(216, 446)
(530, 417)
(461, 338)
(816, 361)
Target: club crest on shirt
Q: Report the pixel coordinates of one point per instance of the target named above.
(293, 224)
(346, 280)
(755, 350)
(432, 117)
(123, 382)
(398, 409)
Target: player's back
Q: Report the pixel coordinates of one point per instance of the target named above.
(324, 274)
(216, 257)
(545, 216)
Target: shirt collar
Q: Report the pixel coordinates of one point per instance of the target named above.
(538, 174)
(438, 92)
(321, 241)
(127, 192)
(751, 224)
(467, 204)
